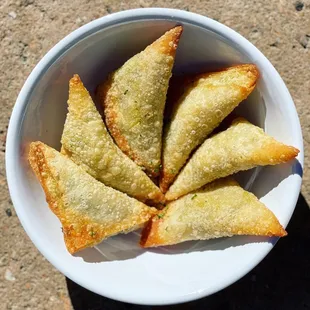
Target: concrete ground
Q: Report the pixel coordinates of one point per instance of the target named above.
(280, 29)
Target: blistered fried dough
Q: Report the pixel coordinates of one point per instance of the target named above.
(241, 147)
(87, 142)
(134, 99)
(202, 107)
(220, 209)
(88, 210)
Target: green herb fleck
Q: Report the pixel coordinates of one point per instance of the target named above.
(126, 91)
(194, 196)
(160, 216)
(158, 168)
(166, 229)
(92, 233)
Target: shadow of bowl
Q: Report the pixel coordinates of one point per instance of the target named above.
(280, 282)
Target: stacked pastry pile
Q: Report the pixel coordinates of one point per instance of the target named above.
(134, 170)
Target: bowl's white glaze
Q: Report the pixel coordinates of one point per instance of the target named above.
(118, 268)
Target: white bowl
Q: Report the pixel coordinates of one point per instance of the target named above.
(118, 268)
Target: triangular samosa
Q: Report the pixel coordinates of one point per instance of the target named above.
(87, 142)
(88, 210)
(241, 147)
(220, 209)
(134, 100)
(206, 101)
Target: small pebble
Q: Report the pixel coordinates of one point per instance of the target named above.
(275, 44)
(299, 6)
(8, 212)
(108, 9)
(12, 14)
(9, 276)
(304, 41)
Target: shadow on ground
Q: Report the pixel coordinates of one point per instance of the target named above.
(281, 281)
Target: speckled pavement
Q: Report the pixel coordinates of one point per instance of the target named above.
(280, 29)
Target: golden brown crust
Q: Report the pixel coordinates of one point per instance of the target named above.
(241, 147)
(65, 152)
(88, 210)
(39, 164)
(140, 87)
(202, 103)
(250, 70)
(86, 141)
(150, 236)
(221, 209)
(179, 84)
(166, 179)
(167, 44)
(119, 138)
(272, 152)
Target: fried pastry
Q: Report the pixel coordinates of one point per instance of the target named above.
(206, 101)
(87, 142)
(88, 210)
(134, 99)
(220, 209)
(241, 147)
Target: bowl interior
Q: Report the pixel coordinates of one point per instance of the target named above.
(133, 274)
